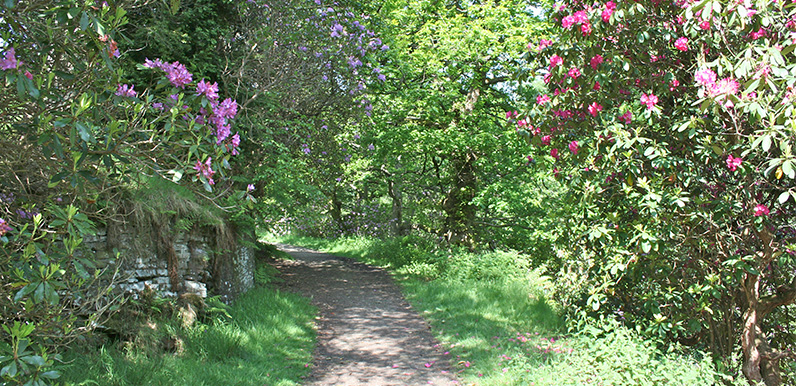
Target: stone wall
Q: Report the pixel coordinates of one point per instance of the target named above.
(200, 266)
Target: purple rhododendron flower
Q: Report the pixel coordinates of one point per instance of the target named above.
(4, 227)
(205, 170)
(9, 61)
(207, 89)
(126, 91)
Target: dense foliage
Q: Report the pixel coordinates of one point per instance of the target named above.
(658, 187)
(671, 123)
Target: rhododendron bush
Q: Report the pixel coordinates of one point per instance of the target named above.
(673, 124)
(73, 134)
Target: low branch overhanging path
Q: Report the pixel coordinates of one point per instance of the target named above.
(367, 333)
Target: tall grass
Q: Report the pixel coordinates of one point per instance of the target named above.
(267, 340)
(490, 314)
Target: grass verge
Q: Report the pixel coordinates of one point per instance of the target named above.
(267, 339)
(490, 313)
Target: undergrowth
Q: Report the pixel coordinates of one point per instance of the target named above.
(490, 313)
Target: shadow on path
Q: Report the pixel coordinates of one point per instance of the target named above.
(367, 333)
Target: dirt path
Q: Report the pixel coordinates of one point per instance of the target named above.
(367, 333)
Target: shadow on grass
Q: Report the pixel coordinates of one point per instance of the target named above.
(268, 341)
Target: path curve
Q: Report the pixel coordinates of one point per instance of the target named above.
(367, 333)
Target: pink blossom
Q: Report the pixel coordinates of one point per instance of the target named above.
(758, 34)
(574, 72)
(649, 100)
(250, 188)
(733, 163)
(761, 210)
(705, 25)
(544, 43)
(726, 86)
(681, 44)
(627, 117)
(28, 75)
(568, 21)
(595, 108)
(581, 17)
(9, 61)
(554, 153)
(596, 86)
(542, 99)
(555, 60)
(596, 61)
(546, 140)
(573, 147)
(585, 28)
(673, 84)
(705, 77)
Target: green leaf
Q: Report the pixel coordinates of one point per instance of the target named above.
(10, 4)
(783, 198)
(34, 360)
(787, 168)
(25, 291)
(84, 21)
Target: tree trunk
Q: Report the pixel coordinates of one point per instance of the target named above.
(458, 207)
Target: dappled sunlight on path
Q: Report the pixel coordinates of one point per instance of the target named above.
(367, 332)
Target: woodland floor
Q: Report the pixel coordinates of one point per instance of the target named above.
(367, 333)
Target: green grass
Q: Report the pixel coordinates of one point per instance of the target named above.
(489, 312)
(268, 340)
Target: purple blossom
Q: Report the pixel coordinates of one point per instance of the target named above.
(338, 30)
(371, 147)
(126, 91)
(205, 170)
(9, 61)
(207, 89)
(250, 187)
(4, 227)
(235, 143)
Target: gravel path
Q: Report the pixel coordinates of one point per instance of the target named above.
(367, 333)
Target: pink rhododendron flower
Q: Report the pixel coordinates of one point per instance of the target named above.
(9, 61)
(555, 60)
(705, 77)
(574, 72)
(28, 75)
(627, 117)
(567, 22)
(544, 43)
(681, 44)
(673, 84)
(761, 210)
(649, 100)
(733, 163)
(758, 34)
(581, 17)
(595, 108)
(542, 99)
(596, 86)
(573, 147)
(726, 86)
(595, 61)
(585, 28)
(554, 153)
(705, 25)
(250, 188)
(546, 140)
